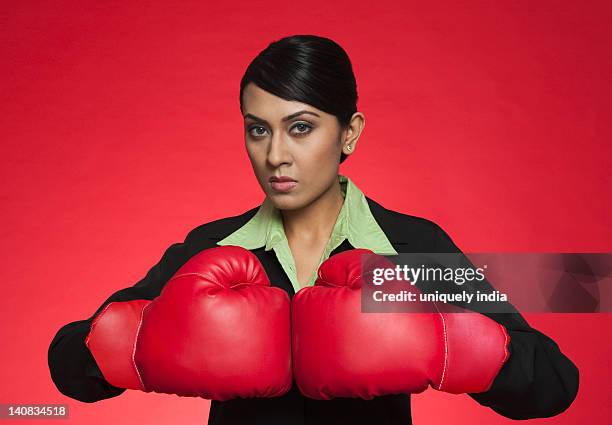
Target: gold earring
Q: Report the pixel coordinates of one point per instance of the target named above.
(348, 148)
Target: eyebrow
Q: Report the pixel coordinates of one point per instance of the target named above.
(287, 118)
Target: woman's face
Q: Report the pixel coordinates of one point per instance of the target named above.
(292, 140)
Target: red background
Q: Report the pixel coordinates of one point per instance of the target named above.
(121, 132)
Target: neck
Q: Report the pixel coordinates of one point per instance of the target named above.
(315, 221)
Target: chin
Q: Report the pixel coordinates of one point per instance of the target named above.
(286, 202)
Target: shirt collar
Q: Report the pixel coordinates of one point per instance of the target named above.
(355, 222)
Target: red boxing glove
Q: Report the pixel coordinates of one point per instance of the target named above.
(340, 352)
(218, 330)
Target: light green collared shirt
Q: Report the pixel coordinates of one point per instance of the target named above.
(355, 222)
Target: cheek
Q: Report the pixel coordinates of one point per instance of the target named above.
(255, 155)
(257, 165)
(319, 166)
(323, 152)
(325, 158)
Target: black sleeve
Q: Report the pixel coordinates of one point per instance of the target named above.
(537, 380)
(72, 366)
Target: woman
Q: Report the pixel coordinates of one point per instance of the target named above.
(299, 102)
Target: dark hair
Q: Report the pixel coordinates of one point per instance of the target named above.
(308, 69)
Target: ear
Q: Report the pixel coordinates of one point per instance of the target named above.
(351, 134)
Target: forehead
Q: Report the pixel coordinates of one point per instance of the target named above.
(261, 103)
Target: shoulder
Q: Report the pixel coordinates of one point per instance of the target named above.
(405, 229)
(401, 224)
(218, 229)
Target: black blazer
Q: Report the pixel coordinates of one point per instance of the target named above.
(536, 381)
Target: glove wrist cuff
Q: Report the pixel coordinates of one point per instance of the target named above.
(476, 348)
(112, 342)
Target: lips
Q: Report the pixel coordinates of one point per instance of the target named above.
(281, 179)
(282, 184)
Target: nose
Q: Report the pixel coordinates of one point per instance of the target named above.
(278, 151)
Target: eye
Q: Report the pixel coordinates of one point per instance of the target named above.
(257, 132)
(302, 128)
